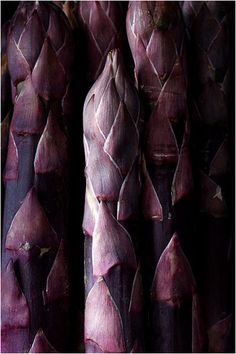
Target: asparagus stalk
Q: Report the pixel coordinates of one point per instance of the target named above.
(158, 48)
(155, 35)
(101, 25)
(174, 302)
(6, 103)
(112, 281)
(39, 54)
(210, 113)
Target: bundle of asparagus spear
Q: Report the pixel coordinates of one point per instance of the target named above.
(143, 91)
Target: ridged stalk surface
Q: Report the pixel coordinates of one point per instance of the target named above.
(155, 32)
(102, 28)
(35, 286)
(209, 28)
(6, 102)
(113, 308)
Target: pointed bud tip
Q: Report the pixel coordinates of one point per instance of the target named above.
(114, 59)
(174, 242)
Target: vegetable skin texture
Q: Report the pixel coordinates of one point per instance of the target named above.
(157, 43)
(102, 29)
(34, 243)
(111, 118)
(6, 103)
(212, 117)
(175, 301)
(155, 35)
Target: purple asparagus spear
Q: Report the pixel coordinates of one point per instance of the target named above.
(6, 104)
(113, 311)
(155, 32)
(209, 26)
(102, 29)
(34, 245)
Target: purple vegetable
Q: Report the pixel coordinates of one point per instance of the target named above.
(6, 104)
(209, 27)
(102, 29)
(113, 311)
(156, 37)
(35, 284)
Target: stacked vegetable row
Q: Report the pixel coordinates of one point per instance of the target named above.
(144, 225)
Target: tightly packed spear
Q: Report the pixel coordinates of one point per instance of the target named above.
(6, 104)
(209, 56)
(112, 281)
(156, 37)
(101, 24)
(111, 142)
(34, 266)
